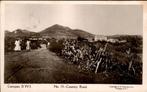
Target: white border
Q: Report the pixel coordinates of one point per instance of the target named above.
(90, 87)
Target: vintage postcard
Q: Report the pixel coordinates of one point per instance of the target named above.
(62, 46)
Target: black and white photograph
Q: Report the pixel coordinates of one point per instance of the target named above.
(73, 44)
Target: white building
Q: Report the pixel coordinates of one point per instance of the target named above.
(100, 38)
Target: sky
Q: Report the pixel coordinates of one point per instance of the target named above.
(95, 19)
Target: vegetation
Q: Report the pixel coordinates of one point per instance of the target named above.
(9, 44)
(120, 60)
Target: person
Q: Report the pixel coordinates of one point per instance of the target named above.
(28, 45)
(17, 45)
(48, 44)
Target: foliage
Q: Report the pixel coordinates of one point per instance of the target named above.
(56, 46)
(114, 59)
(9, 44)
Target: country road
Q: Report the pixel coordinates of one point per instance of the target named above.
(41, 66)
(44, 66)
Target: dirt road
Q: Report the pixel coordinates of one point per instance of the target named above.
(41, 66)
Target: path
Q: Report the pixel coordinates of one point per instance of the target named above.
(41, 66)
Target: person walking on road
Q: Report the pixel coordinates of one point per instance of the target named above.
(17, 45)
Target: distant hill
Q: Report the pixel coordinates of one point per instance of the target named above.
(8, 33)
(19, 33)
(58, 31)
(55, 31)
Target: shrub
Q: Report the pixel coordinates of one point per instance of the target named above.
(56, 46)
(9, 44)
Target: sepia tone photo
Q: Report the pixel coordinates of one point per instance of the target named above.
(74, 43)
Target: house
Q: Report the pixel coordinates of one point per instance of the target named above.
(100, 38)
(112, 40)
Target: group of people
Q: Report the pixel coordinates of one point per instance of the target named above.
(18, 46)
